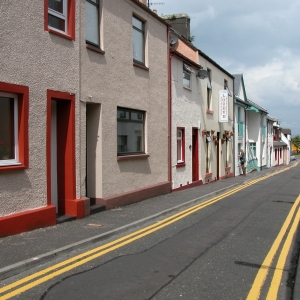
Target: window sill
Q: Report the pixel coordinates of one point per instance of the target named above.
(206, 175)
(64, 35)
(131, 157)
(140, 66)
(187, 88)
(180, 165)
(95, 49)
(12, 167)
(209, 112)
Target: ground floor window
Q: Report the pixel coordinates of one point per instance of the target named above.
(253, 149)
(14, 126)
(131, 139)
(180, 145)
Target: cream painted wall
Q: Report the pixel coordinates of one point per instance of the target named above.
(113, 81)
(211, 121)
(35, 58)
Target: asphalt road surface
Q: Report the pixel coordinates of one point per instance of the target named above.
(235, 246)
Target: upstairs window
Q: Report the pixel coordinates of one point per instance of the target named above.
(227, 88)
(209, 89)
(92, 22)
(187, 70)
(60, 17)
(130, 131)
(138, 40)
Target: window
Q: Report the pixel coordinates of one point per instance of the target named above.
(60, 17)
(138, 40)
(130, 131)
(207, 157)
(14, 126)
(240, 123)
(180, 145)
(187, 70)
(209, 88)
(253, 149)
(227, 88)
(92, 22)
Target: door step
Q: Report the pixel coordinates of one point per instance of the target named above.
(64, 218)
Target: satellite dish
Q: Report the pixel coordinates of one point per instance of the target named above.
(173, 39)
(202, 74)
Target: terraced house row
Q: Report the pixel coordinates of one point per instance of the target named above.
(104, 103)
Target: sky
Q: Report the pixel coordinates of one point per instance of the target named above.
(259, 39)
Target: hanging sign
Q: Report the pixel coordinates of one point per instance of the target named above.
(223, 106)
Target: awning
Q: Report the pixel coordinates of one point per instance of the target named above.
(252, 108)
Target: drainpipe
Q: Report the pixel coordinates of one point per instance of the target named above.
(170, 54)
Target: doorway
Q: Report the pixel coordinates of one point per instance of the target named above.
(60, 149)
(218, 155)
(93, 152)
(195, 156)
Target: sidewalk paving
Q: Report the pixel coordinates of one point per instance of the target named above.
(24, 251)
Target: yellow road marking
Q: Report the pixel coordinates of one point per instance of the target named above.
(264, 269)
(99, 251)
(273, 290)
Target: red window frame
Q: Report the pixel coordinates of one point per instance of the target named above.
(23, 108)
(71, 21)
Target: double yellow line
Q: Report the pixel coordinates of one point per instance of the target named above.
(292, 222)
(49, 273)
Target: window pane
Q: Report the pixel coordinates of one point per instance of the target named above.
(138, 45)
(137, 116)
(134, 133)
(7, 128)
(130, 131)
(123, 114)
(56, 5)
(56, 22)
(186, 79)
(137, 23)
(92, 23)
(179, 150)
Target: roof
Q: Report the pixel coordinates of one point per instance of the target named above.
(286, 131)
(237, 82)
(279, 144)
(257, 106)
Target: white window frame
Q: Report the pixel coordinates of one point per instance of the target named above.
(97, 6)
(143, 32)
(209, 90)
(62, 16)
(187, 70)
(180, 137)
(15, 161)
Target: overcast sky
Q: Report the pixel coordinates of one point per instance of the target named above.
(260, 39)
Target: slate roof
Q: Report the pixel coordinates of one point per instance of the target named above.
(286, 131)
(237, 82)
(279, 144)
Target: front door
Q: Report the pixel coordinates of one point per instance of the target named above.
(195, 156)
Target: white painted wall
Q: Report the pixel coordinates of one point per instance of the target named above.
(186, 112)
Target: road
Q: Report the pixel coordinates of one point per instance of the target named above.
(238, 245)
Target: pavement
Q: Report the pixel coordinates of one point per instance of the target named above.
(29, 249)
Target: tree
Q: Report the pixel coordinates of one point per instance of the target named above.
(296, 142)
